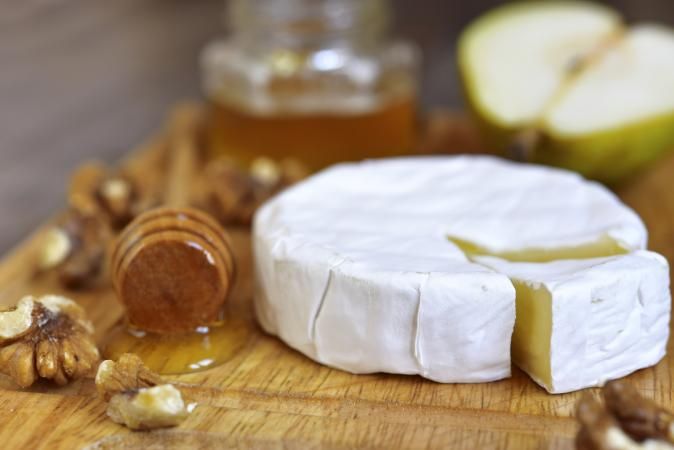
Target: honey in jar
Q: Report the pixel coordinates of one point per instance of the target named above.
(317, 80)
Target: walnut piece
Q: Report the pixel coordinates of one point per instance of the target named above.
(119, 197)
(110, 195)
(139, 398)
(265, 171)
(292, 171)
(55, 249)
(101, 202)
(49, 337)
(83, 185)
(147, 408)
(75, 248)
(597, 425)
(626, 421)
(127, 374)
(234, 194)
(640, 417)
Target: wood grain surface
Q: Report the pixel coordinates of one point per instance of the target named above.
(84, 79)
(267, 396)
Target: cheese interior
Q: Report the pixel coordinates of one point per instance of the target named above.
(604, 246)
(533, 331)
(533, 303)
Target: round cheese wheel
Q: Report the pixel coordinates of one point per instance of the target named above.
(375, 266)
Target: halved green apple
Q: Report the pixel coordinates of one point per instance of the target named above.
(567, 84)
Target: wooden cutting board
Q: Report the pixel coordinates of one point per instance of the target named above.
(268, 396)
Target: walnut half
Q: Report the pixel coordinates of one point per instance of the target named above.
(139, 398)
(626, 421)
(234, 194)
(75, 249)
(599, 430)
(111, 195)
(148, 408)
(640, 417)
(48, 338)
(126, 374)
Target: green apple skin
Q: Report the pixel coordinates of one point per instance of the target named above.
(610, 156)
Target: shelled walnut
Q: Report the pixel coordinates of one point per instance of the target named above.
(626, 421)
(125, 374)
(148, 408)
(598, 427)
(84, 183)
(118, 196)
(56, 247)
(101, 202)
(138, 398)
(47, 337)
(233, 194)
(75, 248)
(111, 195)
(640, 417)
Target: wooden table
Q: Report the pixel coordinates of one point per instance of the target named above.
(90, 79)
(268, 396)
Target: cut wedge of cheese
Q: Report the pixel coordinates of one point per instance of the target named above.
(421, 265)
(583, 322)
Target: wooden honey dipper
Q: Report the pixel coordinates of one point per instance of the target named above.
(173, 267)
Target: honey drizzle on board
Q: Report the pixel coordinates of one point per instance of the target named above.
(174, 354)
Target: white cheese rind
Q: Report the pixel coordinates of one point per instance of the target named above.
(445, 319)
(463, 320)
(500, 205)
(610, 316)
(417, 323)
(354, 268)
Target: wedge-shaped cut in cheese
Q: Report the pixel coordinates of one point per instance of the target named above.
(582, 322)
(604, 246)
(380, 267)
(532, 336)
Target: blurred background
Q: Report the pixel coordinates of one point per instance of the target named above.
(91, 79)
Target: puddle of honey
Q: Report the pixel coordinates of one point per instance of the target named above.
(174, 354)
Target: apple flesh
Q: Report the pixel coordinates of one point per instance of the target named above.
(565, 83)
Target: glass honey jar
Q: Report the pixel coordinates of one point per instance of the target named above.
(316, 80)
